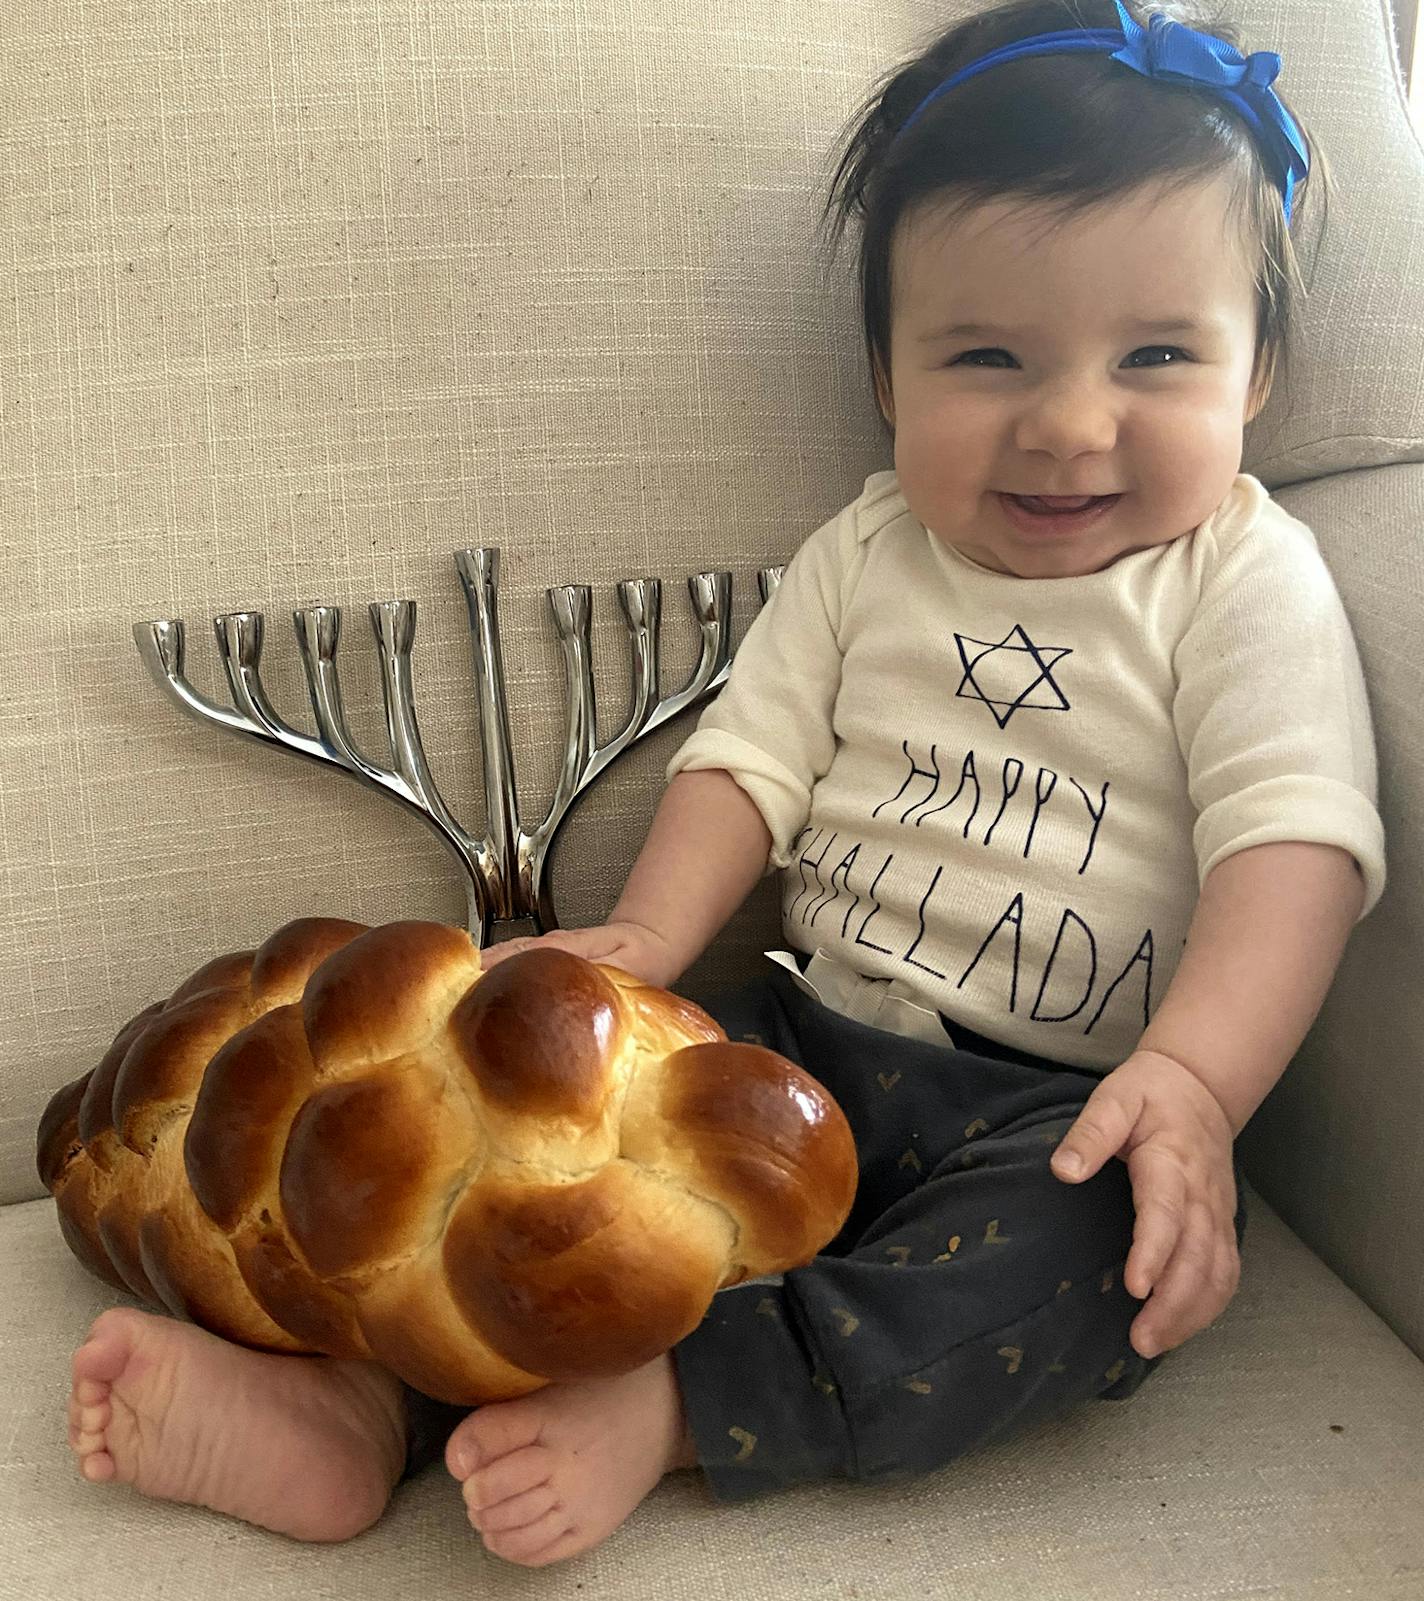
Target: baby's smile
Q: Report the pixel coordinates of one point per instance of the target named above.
(1056, 515)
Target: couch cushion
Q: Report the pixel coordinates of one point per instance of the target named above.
(1278, 1454)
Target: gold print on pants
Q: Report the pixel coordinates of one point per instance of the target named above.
(1014, 1354)
(1067, 1284)
(953, 1247)
(849, 1322)
(909, 1159)
(900, 1252)
(888, 1082)
(976, 1127)
(1115, 1372)
(1107, 1283)
(767, 1307)
(823, 1384)
(747, 1442)
(992, 1235)
(918, 1386)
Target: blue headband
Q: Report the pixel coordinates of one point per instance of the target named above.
(1173, 53)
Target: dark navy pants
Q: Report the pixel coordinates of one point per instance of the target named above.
(969, 1293)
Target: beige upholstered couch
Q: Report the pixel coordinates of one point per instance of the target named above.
(297, 298)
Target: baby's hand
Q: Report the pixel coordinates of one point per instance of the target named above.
(1176, 1140)
(637, 950)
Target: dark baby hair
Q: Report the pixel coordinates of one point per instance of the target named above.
(1065, 130)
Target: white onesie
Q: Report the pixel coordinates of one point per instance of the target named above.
(997, 797)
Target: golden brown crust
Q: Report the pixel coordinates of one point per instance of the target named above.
(353, 1141)
(535, 1035)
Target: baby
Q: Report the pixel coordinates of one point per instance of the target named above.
(1058, 737)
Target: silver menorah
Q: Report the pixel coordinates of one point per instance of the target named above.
(505, 872)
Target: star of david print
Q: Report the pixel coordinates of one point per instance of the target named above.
(1011, 677)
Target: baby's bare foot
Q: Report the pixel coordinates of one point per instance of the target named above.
(305, 1446)
(551, 1475)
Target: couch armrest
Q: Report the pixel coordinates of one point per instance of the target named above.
(1338, 1146)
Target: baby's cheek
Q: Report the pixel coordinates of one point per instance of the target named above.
(1193, 485)
(1195, 448)
(938, 473)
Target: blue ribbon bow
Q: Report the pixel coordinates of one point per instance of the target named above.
(1173, 53)
(1177, 54)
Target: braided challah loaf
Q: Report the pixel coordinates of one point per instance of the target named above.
(352, 1142)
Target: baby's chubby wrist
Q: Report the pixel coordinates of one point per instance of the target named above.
(1172, 1075)
(1178, 1070)
(1153, 1099)
(647, 951)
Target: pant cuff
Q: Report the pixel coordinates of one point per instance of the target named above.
(761, 1407)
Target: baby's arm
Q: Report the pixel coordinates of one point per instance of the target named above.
(705, 851)
(1274, 727)
(1265, 940)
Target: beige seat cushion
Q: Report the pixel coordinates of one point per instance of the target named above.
(1278, 1454)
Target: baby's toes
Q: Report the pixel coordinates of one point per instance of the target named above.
(516, 1511)
(515, 1474)
(102, 1358)
(87, 1421)
(547, 1539)
(490, 1434)
(89, 1414)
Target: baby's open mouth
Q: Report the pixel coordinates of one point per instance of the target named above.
(1047, 505)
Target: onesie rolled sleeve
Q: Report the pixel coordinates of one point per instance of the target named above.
(780, 794)
(1319, 810)
(1271, 709)
(771, 727)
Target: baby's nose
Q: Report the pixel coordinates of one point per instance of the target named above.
(1068, 420)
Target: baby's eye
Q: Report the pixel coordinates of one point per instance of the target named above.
(971, 356)
(1174, 353)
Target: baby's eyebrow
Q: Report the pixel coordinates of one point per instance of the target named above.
(1173, 325)
(984, 330)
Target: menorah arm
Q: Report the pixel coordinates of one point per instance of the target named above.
(641, 602)
(584, 760)
(239, 637)
(503, 842)
(570, 605)
(712, 605)
(393, 623)
(318, 632)
(161, 646)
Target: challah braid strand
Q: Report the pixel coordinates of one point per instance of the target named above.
(111, 1144)
(380, 1150)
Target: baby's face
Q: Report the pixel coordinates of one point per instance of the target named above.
(1035, 360)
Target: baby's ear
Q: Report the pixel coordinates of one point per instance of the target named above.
(883, 394)
(1260, 391)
